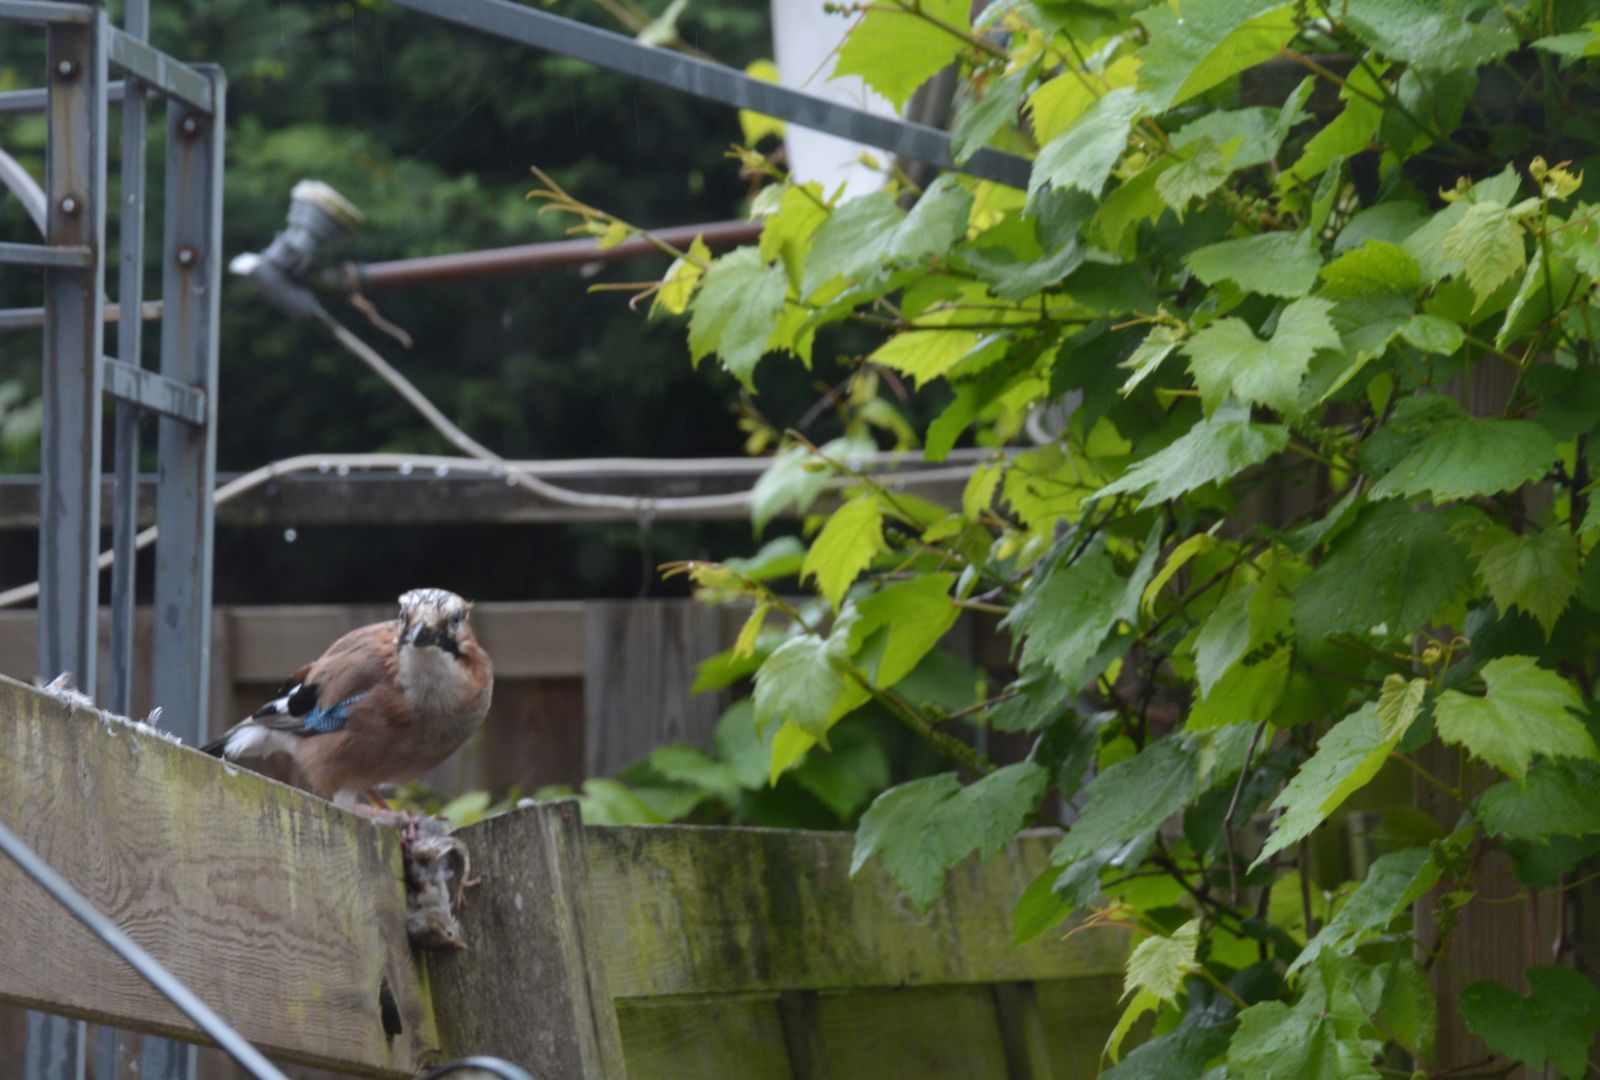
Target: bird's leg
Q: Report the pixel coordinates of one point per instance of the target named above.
(376, 799)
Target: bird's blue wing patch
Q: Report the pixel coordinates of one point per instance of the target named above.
(324, 721)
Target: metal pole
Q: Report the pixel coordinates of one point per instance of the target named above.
(69, 535)
(494, 262)
(191, 255)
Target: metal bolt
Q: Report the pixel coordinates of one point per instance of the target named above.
(187, 256)
(66, 69)
(189, 125)
(69, 205)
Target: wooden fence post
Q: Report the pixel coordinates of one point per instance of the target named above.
(529, 987)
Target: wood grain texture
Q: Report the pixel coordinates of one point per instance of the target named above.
(282, 912)
(528, 987)
(949, 1031)
(641, 659)
(699, 1037)
(682, 910)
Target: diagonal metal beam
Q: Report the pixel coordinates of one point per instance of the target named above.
(159, 71)
(717, 82)
(155, 392)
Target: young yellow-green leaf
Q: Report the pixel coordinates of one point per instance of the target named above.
(787, 233)
(1394, 568)
(1537, 572)
(1158, 964)
(745, 644)
(1348, 133)
(739, 301)
(682, 277)
(1203, 169)
(1216, 448)
(897, 51)
(1206, 42)
(797, 476)
(1156, 347)
(1224, 638)
(922, 828)
(1460, 458)
(1373, 269)
(1198, 544)
(900, 624)
(1394, 882)
(1082, 156)
(1271, 263)
(982, 116)
(1399, 702)
(1228, 360)
(1556, 1022)
(846, 546)
(925, 354)
(805, 684)
(1488, 242)
(1143, 1002)
(1347, 757)
(1058, 102)
(1526, 711)
(1433, 334)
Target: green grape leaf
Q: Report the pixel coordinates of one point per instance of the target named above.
(1082, 156)
(851, 539)
(1375, 268)
(925, 355)
(1347, 757)
(682, 278)
(1131, 798)
(1526, 711)
(787, 233)
(1072, 611)
(1215, 449)
(1318, 1038)
(866, 238)
(1488, 243)
(739, 300)
(1157, 345)
(1183, 1052)
(1394, 882)
(922, 828)
(1224, 638)
(806, 684)
(1536, 572)
(1433, 334)
(1399, 702)
(1208, 42)
(1428, 36)
(797, 476)
(1158, 964)
(1228, 360)
(1271, 263)
(1556, 1022)
(896, 51)
(911, 616)
(1554, 799)
(977, 122)
(1394, 568)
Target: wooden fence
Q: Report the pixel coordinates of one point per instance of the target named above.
(648, 952)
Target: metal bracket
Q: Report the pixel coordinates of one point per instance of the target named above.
(154, 392)
(160, 71)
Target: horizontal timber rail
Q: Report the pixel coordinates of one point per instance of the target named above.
(596, 952)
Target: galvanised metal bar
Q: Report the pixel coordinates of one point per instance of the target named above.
(14, 178)
(145, 389)
(69, 535)
(44, 13)
(25, 318)
(191, 255)
(130, 349)
(159, 71)
(717, 82)
(36, 99)
(49, 256)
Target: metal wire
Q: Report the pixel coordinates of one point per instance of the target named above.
(232, 1043)
(494, 1065)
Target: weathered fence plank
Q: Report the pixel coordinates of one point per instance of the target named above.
(529, 987)
(698, 910)
(282, 912)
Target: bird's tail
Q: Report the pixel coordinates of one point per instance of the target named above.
(216, 746)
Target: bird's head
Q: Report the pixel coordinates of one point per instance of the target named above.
(433, 617)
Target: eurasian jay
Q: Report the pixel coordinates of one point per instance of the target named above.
(385, 703)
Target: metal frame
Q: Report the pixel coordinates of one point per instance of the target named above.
(82, 49)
